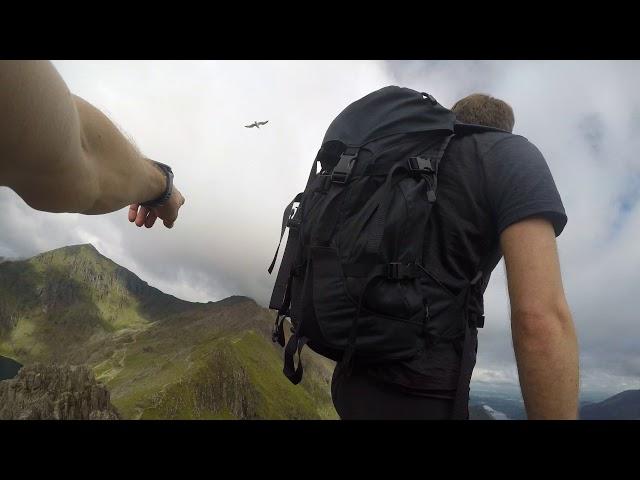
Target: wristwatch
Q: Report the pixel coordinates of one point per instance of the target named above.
(164, 198)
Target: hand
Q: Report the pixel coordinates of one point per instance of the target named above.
(168, 212)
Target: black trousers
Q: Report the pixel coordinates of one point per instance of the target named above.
(360, 397)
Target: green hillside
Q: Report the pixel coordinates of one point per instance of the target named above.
(160, 357)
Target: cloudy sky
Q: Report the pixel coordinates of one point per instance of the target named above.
(583, 116)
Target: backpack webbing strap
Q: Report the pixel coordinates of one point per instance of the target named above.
(279, 300)
(349, 353)
(427, 168)
(392, 270)
(461, 402)
(339, 176)
(469, 350)
(295, 343)
(279, 297)
(286, 220)
(380, 217)
(375, 169)
(277, 334)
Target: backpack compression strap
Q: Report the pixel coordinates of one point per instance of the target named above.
(473, 321)
(291, 220)
(287, 218)
(281, 295)
(293, 373)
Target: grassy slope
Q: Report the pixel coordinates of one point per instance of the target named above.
(160, 357)
(62, 298)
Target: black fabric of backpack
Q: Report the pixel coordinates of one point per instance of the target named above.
(352, 277)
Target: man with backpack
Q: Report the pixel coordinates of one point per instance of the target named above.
(391, 246)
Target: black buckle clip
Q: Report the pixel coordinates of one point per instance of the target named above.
(398, 271)
(476, 320)
(342, 171)
(431, 98)
(275, 331)
(421, 165)
(293, 222)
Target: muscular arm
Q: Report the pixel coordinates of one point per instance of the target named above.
(61, 154)
(544, 337)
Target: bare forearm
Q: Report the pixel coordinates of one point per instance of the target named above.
(546, 350)
(123, 175)
(61, 154)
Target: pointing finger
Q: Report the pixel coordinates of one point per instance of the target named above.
(133, 212)
(142, 215)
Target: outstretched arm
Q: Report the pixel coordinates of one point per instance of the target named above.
(61, 154)
(544, 337)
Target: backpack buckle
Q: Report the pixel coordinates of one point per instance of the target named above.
(431, 98)
(277, 333)
(293, 222)
(342, 171)
(420, 165)
(476, 320)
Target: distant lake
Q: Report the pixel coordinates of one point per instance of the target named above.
(8, 368)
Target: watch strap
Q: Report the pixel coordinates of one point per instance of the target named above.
(164, 198)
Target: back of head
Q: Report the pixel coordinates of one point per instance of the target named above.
(481, 109)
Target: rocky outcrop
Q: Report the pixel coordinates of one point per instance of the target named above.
(221, 388)
(55, 392)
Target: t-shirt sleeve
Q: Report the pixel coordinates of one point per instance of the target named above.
(520, 184)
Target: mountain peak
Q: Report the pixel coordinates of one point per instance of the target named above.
(87, 270)
(73, 256)
(234, 299)
(88, 247)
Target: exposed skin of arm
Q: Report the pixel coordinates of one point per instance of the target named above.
(544, 337)
(61, 154)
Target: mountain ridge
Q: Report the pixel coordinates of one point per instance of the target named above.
(622, 406)
(159, 356)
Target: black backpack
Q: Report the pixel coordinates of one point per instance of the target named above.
(353, 278)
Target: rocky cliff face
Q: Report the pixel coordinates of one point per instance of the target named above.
(55, 392)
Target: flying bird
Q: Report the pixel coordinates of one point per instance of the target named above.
(256, 124)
